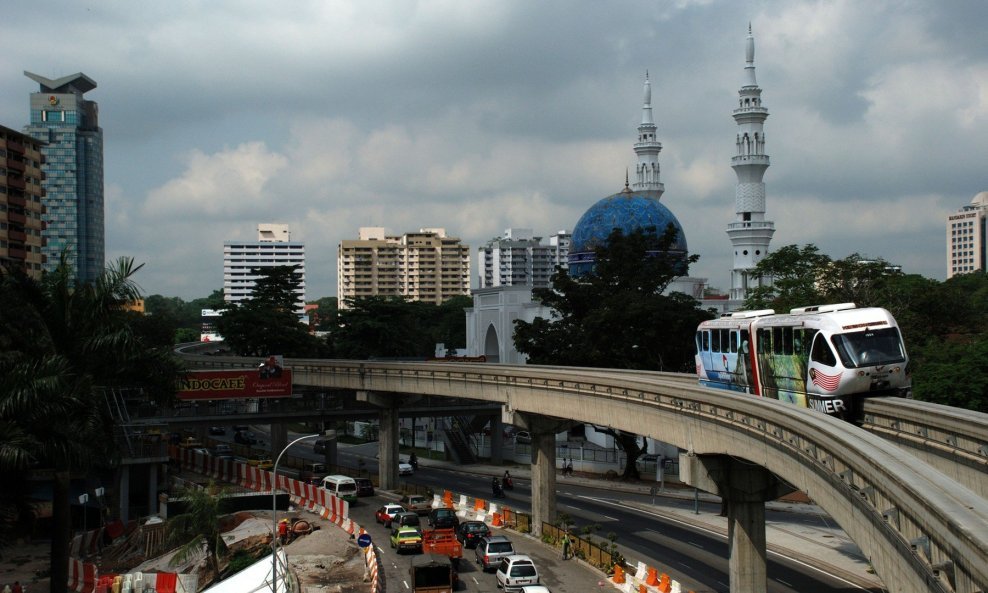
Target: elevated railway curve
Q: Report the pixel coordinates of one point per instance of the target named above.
(921, 530)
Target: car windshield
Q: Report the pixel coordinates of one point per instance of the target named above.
(869, 348)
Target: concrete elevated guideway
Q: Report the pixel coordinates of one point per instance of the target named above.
(921, 530)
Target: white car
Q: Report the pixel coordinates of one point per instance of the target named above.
(405, 468)
(515, 572)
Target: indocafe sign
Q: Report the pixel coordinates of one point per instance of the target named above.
(233, 384)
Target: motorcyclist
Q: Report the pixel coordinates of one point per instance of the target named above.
(496, 487)
(508, 484)
(413, 460)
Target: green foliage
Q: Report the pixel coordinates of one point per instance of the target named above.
(62, 343)
(391, 327)
(185, 317)
(617, 316)
(198, 526)
(267, 323)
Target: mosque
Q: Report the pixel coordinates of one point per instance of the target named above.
(490, 322)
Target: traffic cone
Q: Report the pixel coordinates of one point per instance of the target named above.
(618, 574)
(652, 578)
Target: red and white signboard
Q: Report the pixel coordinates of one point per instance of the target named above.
(234, 384)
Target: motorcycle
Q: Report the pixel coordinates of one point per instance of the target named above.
(509, 484)
(414, 462)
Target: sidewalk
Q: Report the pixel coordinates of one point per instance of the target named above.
(811, 537)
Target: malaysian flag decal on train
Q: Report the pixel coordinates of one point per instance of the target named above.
(824, 381)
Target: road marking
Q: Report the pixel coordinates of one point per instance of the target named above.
(609, 517)
(475, 581)
(784, 583)
(406, 584)
(723, 537)
(685, 565)
(696, 544)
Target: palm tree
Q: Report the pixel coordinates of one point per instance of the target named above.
(198, 527)
(62, 343)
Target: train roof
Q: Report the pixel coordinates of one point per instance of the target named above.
(840, 317)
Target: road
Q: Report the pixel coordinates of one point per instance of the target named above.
(696, 557)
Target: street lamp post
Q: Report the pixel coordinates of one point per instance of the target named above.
(274, 512)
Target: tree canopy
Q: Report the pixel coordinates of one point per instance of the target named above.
(63, 344)
(617, 317)
(267, 323)
(391, 327)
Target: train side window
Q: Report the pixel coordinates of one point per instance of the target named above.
(821, 352)
(715, 340)
(777, 340)
(705, 338)
(787, 340)
(764, 341)
(744, 341)
(733, 337)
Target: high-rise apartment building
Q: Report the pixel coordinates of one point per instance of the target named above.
(424, 266)
(242, 260)
(21, 202)
(68, 125)
(519, 258)
(967, 238)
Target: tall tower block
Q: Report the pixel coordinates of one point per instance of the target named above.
(68, 124)
(750, 233)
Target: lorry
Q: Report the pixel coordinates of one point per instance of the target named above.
(432, 573)
(442, 542)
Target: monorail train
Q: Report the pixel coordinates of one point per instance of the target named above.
(825, 357)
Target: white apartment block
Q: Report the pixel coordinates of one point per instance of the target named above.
(421, 266)
(967, 231)
(519, 258)
(273, 247)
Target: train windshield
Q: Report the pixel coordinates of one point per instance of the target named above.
(869, 348)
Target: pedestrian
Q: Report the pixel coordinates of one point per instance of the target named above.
(283, 531)
(566, 545)
(6, 589)
(568, 470)
(17, 588)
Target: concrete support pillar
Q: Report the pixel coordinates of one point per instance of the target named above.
(387, 439)
(745, 487)
(279, 439)
(543, 430)
(124, 493)
(330, 454)
(387, 459)
(497, 440)
(543, 479)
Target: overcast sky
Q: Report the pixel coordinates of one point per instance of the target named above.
(479, 116)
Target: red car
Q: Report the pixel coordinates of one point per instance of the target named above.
(386, 513)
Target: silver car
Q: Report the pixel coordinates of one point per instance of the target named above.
(491, 549)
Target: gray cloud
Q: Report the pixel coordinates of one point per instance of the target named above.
(480, 116)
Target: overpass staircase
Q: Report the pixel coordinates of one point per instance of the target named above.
(459, 441)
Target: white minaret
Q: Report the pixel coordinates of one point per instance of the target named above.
(750, 233)
(648, 148)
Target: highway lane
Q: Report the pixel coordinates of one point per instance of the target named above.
(695, 557)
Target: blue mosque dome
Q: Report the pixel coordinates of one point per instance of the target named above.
(627, 210)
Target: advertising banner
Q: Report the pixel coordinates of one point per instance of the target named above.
(234, 384)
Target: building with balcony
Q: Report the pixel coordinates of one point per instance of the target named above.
(519, 258)
(967, 237)
(242, 261)
(22, 202)
(423, 266)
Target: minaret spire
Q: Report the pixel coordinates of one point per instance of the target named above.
(648, 148)
(750, 233)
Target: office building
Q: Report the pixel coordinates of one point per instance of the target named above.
(967, 231)
(21, 202)
(424, 266)
(243, 259)
(68, 125)
(519, 258)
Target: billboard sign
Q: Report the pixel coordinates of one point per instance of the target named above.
(234, 384)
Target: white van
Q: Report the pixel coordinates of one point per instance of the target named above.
(341, 486)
